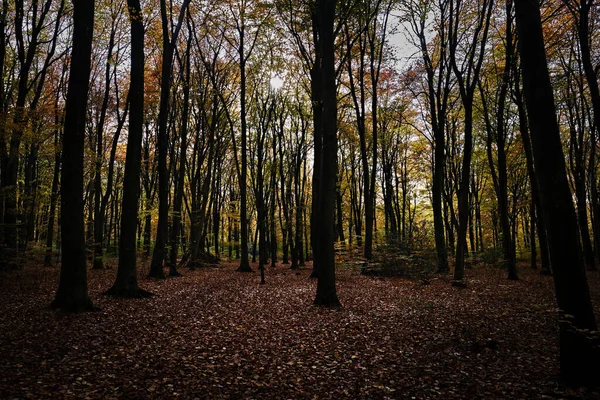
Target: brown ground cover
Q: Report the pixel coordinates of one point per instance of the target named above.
(215, 333)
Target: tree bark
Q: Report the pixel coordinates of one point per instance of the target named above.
(591, 75)
(179, 182)
(438, 103)
(533, 181)
(169, 43)
(72, 294)
(326, 290)
(98, 215)
(316, 85)
(467, 79)
(53, 197)
(126, 284)
(579, 361)
(21, 117)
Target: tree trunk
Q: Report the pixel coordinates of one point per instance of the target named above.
(98, 214)
(532, 234)
(244, 261)
(72, 293)
(3, 109)
(126, 284)
(316, 85)
(579, 360)
(507, 239)
(326, 290)
(26, 58)
(463, 193)
(179, 182)
(467, 77)
(53, 198)
(162, 229)
(591, 75)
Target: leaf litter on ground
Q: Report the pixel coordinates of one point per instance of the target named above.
(217, 334)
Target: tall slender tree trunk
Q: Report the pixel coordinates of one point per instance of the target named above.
(438, 100)
(508, 240)
(126, 284)
(533, 181)
(159, 253)
(53, 197)
(273, 229)
(179, 185)
(317, 108)
(591, 75)
(98, 215)
(162, 229)
(72, 294)
(244, 260)
(463, 194)
(326, 290)
(3, 109)
(467, 77)
(532, 234)
(436, 196)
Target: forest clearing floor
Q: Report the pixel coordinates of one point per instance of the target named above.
(215, 333)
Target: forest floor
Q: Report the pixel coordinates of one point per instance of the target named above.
(215, 333)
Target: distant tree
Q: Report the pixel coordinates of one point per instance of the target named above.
(72, 293)
(30, 24)
(438, 83)
(177, 228)
(580, 153)
(583, 14)
(466, 59)
(110, 68)
(579, 359)
(498, 133)
(517, 94)
(263, 114)
(213, 113)
(169, 41)
(58, 118)
(367, 50)
(247, 20)
(4, 39)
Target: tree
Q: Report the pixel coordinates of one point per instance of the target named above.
(263, 115)
(498, 133)
(126, 283)
(99, 206)
(185, 72)
(4, 37)
(533, 181)
(576, 117)
(34, 29)
(58, 119)
(438, 81)
(72, 293)
(168, 46)
(244, 45)
(466, 64)
(303, 22)
(325, 257)
(579, 361)
(370, 42)
(580, 10)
